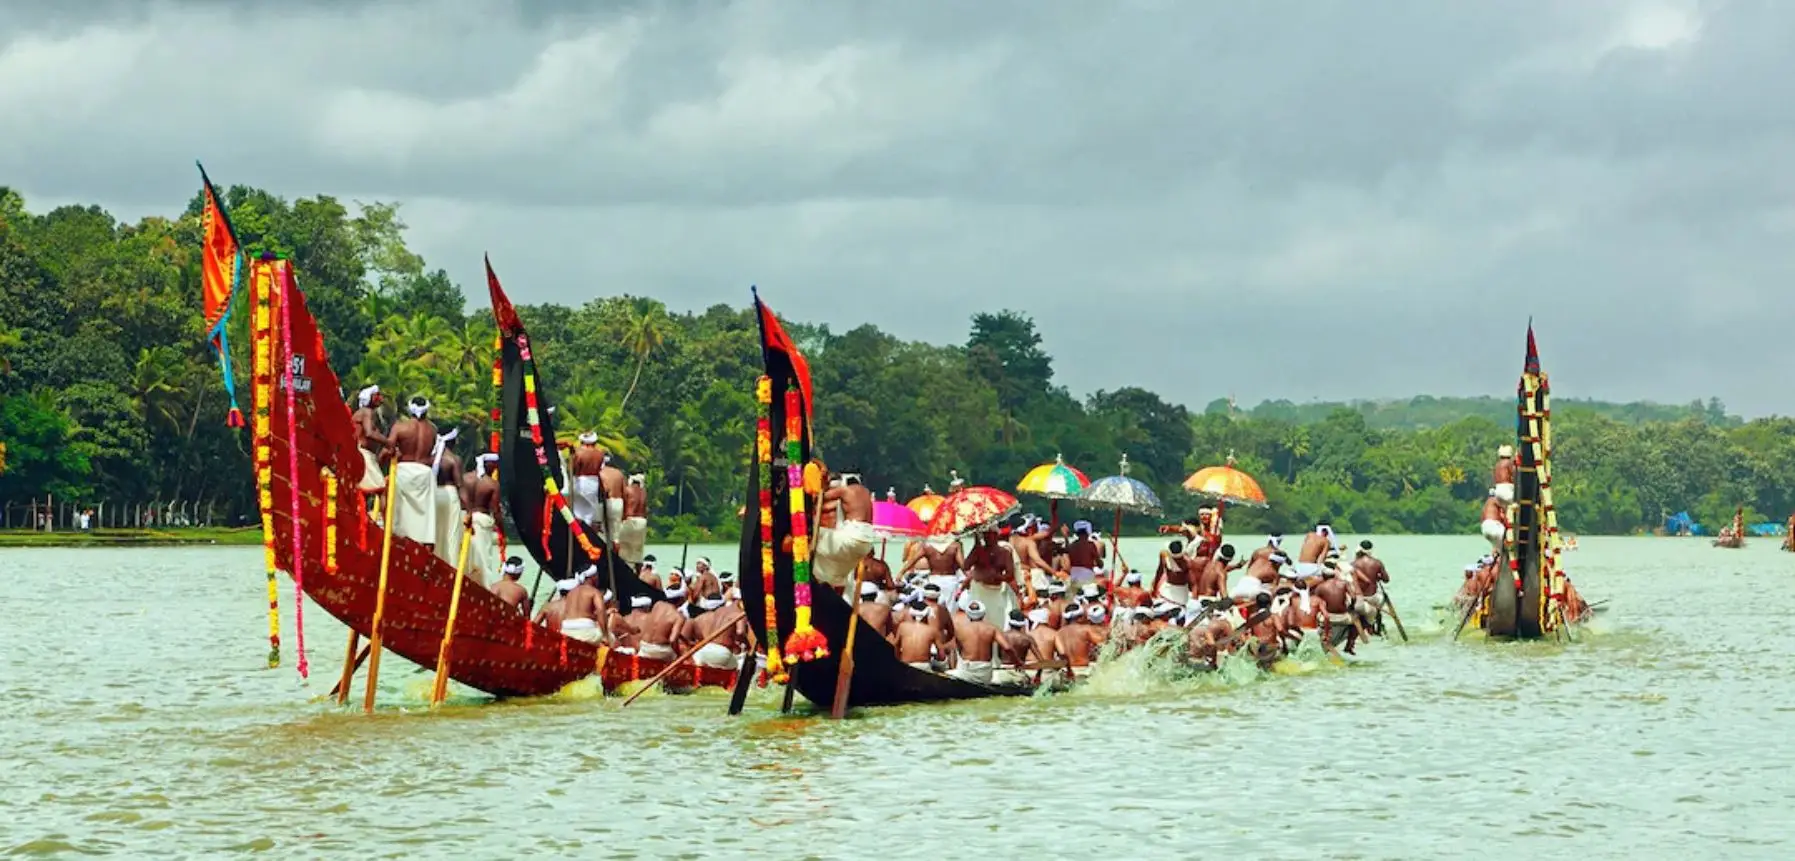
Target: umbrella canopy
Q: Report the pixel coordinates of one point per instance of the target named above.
(1227, 484)
(1054, 480)
(925, 503)
(896, 520)
(1120, 493)
(971, 510)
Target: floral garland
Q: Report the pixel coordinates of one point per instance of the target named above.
(288, 288)
(261, 379)
(554, 499)
(498, 423)
(330, 519)
(763, 448)
(806, 643)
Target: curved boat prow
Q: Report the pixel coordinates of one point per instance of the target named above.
(531, 476)
(878, 677)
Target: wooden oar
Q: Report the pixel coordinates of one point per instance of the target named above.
(844, 673)
(386, 561)
(441, 688)
(750, 664)
(351, 663)
(1391, 607)
(667, 670)
(1470, 610)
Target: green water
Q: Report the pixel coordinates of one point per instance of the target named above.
(137, 718)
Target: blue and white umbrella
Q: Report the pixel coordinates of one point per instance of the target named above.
(1120, 493)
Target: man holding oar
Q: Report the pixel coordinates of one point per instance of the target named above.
(414, 477)
(482, 494)
(1369, 574)
(729, 627)
(509, 590)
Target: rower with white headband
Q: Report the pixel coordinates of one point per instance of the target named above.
(976, 640)
(480, 492)
(446, 465)
(920, 640)
(583, 607)
(657, 628)
(1316, 544)
(1503, 476)
(1083, 634)
(509, 590)
(727, 623)
(414, 476)
(632, 528)
(1014, 646)
(372, 441)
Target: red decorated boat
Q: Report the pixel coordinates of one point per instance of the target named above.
(317, 528)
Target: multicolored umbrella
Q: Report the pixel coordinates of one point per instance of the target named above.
(1120, 493)
(972, 510)
(896, 520)
(1054, 480)
(925, 504)
(1226, 484)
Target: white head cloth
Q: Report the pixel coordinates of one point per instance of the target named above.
(366, 396)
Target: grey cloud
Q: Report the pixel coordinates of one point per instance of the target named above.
(1278, 200)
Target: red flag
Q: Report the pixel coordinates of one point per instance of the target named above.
(777, 339)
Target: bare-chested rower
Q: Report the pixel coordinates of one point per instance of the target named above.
(1213, 580)
(552, 613)
(371, 438)
(509, 590)
(976, 642)
(943, 563)
(656, 627)
(1082, 636)
(622, 626)
(725, 651)
(704, 580)
(1370, 575)
(1495, 521)
(1174, 574)
(1316, 544)
(1335, 595)
(1014, 646)
(414, 476)
(918, 638)
(1032, 566)
(875, 615)
(1274, 543)
(583, 608)
(874, 570)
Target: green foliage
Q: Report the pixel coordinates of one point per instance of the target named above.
(107, 390)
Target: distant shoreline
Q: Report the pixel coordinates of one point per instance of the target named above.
(179, 537)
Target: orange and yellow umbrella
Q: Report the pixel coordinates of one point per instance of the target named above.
(925, 503)
(1227, 484)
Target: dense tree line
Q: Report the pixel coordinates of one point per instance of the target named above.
(108, 392)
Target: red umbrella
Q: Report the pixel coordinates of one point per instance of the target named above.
(972, 510)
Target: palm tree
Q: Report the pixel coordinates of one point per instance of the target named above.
(645, 332)
(592, 409)
(158, 377)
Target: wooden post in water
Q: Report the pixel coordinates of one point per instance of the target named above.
(350, 662)
(441, 687)
(844, 661)
(386, 561)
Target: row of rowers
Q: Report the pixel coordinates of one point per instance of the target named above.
(949, 622)
(660, 629)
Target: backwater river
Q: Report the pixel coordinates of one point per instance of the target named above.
(136, 717)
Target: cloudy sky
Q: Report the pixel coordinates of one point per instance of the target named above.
(1300, 199)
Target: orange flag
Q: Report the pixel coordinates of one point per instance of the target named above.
(220, 272)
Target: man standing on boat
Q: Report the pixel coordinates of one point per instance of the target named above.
(587, 497)
(1503, 476)
(371, 439)
(1495, 521)
(448, 497)
(1172, 581)
(414, 477)
(632, 532)
(844, 531)
(481, 493)
(992, 567)
(1084, 556)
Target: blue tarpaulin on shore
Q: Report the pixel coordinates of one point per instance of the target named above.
(1681, 523)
